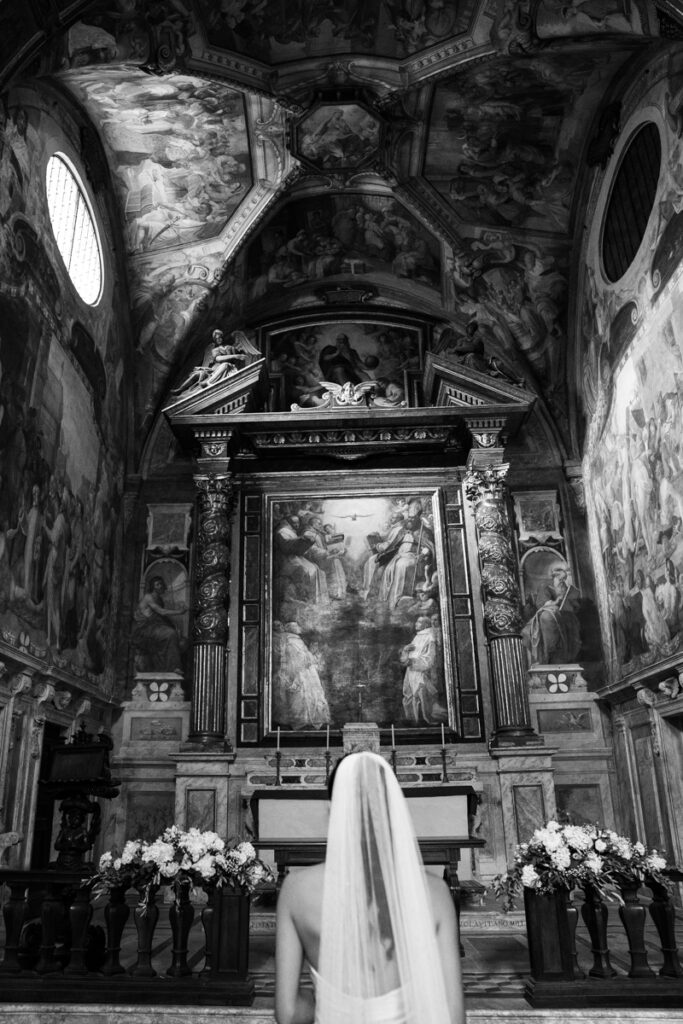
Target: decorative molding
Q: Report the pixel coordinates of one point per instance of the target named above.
(486, 483)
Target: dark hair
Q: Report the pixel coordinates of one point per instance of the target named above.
(333, 774)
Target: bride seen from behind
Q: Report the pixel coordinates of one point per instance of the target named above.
(379, 933)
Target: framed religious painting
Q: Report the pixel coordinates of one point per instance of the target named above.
(320, 355)
(356, 615)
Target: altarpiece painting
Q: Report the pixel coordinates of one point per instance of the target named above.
(357, 612)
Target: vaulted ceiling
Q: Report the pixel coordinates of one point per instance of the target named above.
(271, 156)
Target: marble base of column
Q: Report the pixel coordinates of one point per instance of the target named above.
(508, 676)
(207, 720)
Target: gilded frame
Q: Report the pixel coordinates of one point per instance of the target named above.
(343, 638)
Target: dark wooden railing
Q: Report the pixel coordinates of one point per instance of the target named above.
(558, 978)
(50, 941)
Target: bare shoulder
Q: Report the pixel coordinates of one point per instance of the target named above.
(440, 894)
(300, 884)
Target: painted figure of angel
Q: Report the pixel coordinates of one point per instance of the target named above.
(221, 360)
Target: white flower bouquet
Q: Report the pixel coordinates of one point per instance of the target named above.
(564, 856)
(200, 858)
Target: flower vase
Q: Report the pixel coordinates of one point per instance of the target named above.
(226, 926)
(594, 914)
(180, 916)
(116, 914)
(663, 914)
(548, 935)
(209, 919)
(573, 920)
(632, 915)
(146, 915)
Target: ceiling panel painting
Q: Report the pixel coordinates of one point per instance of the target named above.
(501, 149)
(312, 359)
(282, 30)
(370, 236)
(179, 152)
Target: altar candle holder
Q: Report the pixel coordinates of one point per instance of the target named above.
(393, 761)
(328, 764)
(278, 764)
(444, 770)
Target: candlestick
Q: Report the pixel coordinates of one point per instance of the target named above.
(327, 742)
(278, 760)
(328, 765)
(393, 739)
(278, 738)
(444, 769)
(443, 736)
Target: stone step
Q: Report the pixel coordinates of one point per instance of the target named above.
(483, 922)
(48, 1013)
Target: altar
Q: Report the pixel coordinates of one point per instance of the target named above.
(291, 825)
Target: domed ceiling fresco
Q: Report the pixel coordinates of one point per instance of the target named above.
(425, 155)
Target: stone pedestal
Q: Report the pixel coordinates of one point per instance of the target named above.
(527, 792)
(201, 792)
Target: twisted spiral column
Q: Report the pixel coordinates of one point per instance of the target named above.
(486, 490)
(211, 595)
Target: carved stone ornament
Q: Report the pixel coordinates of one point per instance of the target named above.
(670, 687)
(486, 482)
(645, 697)
(36, 739)
(216, 503)
(62, 699)
(343, 396)
(214, 449)
(485, 438)
(490, 517)
(499, 582)
(21, 683)
(502, 616)
(493, 547)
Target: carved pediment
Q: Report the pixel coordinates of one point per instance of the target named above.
(447, 381)
(240, 392)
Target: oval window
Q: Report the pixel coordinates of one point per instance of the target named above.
(630, 204)
(74, 228)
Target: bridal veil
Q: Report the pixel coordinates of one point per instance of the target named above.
(379, 959)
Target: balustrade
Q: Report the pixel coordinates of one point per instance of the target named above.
(53, 933)
(604, 984)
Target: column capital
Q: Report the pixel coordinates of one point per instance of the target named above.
(215, 483)
(483, 482)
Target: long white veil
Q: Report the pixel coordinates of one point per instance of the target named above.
(377, 933)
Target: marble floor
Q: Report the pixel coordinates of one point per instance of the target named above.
(495, 963)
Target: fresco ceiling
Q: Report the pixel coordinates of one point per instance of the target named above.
(434, 148)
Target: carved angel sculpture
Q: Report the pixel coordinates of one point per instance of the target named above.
(221, 360)
(343, 395)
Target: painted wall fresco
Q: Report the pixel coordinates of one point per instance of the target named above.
(61, 426)
(278, 30)
(158, 41)
(356, 614)
(588, 17)
(637, 485)
(178, 149)
(343, 351)
(510, 302)
(502, 150)
(338, 135)
(323, 237)
(632, 369)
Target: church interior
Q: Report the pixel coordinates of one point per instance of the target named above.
(341, 341)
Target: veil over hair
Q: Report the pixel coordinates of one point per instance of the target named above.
(379, 958)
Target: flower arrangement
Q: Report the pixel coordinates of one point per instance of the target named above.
(200, 858)
(566, 856)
